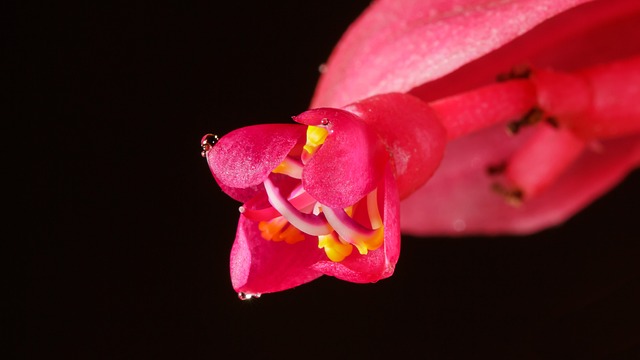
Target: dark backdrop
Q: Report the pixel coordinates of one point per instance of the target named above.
(128, 236)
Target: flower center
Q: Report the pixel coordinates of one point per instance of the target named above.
(294, 216)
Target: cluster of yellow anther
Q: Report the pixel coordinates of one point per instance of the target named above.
(316, 136)
(335, 248)
(333, 243)
(279, 229)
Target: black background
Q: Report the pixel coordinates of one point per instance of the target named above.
(128, 236)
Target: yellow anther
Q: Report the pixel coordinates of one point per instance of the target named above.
(335, 248)
(366, 243)
(376, 240)
(315, 137)
(291, 235)
(289, 167)
(270, 230)
(273, 230)
(349, 211)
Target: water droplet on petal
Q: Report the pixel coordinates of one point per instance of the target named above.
(324, 121)
(247, 296)
(207, 143)
(322, 68)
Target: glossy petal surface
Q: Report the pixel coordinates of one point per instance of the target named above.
(416, 147)
(458, 199)
(243, 158)
(472, 208)
(259, 266)
(395, 46)
(349, 164)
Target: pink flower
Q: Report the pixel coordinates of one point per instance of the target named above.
(407, 131)
(314, 193)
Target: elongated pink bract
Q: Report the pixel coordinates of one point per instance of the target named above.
(408, 109)
(435, 49)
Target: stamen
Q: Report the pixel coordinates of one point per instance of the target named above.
(270, 230)
(513, 197)
(316, 136)
(302, 201)
(517, 72)
(291, 235)
(372, 209)
(348, 229)
(311, 224)
(273, 230)
(335, 248)
(532, 117)
(289, 166)
(497, 169)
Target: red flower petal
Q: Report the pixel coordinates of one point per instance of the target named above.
(243, 158)
(259, 266)
(349, 164)
(377, 264)
(416, 147)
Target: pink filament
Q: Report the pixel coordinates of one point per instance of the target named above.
(311, 224)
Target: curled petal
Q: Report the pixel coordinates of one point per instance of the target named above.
(349, 164)
(259, 266)
(244, 158)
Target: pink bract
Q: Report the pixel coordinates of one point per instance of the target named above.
(396, 129)
(434, 49)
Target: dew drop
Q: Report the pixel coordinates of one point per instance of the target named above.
(207, 143)
(322, 68)
(324, 121)
(247, 296)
